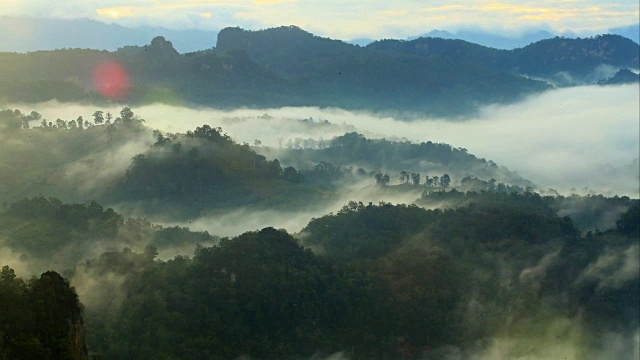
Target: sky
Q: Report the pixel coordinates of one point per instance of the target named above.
(342, 19)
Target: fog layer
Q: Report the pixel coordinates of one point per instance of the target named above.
(581, 139)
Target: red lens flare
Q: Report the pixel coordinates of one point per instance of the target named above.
(111, 80)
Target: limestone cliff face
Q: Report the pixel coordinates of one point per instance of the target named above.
(59, 316)
(77, 344)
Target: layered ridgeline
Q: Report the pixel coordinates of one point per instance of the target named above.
(560, 61)
(288, 66)
(479, 266)
(502, 275)
(117, 160)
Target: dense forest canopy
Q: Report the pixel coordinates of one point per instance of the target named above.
(115, 240)
(372, 281)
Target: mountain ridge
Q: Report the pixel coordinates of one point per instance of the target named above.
(288, 66)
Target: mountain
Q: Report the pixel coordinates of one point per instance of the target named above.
(576, 56)
(181, 176)
(489, 39)
(374, 281)
(41, 318)
(355, 77)
(24, 34)
(623, 76)
(354, 150)
(457, 268)
(632, 32)
(562, 61)
(272, 68)
(287, 66)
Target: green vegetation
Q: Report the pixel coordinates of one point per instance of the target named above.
(204, 169)
(48, 233)
(384, 281)
(469, 263)
(543, 59)
(40, 319)
(288, 66)
(74, 159)
(395, 157)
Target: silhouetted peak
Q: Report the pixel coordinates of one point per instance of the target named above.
(161, 45)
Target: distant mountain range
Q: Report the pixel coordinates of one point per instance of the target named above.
(23, 34)
(287, 66)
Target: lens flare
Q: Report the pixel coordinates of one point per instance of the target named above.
(111, 80)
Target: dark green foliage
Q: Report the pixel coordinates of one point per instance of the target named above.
(359, 231)
(390, 282)
(339, 74)
(40, 226)
(275, 67)
(11, 120)
(203, 169)
(51, 233)
(44, 159)
(386, 282)
(623, 76)
(288, 66)
(353, 149)
(544, 58)
(579, 56)
(40, 319)
(629, 222)
(261, 294)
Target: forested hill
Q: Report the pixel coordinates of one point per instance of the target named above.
(377, 282)
(579, 58)
(427, 158)
(182, 174)
(288, 66)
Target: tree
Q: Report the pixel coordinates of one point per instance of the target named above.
(108, 118)
(381, 179)
(98, 117)
(445, 180)
(61, 124)
(126, 115)
(34, 116)
(415, 178)
(404, 177)
(492, 184)
(291, 174)
(80, 122)
(436, 181)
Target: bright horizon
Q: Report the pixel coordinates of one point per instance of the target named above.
(346, 20)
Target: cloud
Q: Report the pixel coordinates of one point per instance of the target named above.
(342, 19)
(119, 12)
(614, 269)
(575, 139)
(580, 139)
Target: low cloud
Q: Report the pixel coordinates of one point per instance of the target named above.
(574, 140)
(234, 223)
(614, 269)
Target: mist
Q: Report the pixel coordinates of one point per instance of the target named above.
(573, 140)
(234, 223)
